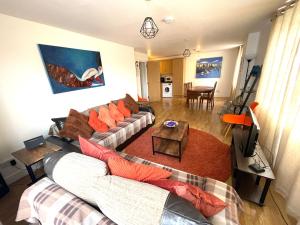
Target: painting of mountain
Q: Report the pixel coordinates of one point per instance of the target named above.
(209, 67)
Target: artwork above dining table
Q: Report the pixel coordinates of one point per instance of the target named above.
(70, 69)
(209, 67)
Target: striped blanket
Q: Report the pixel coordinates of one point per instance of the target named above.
(118, 135)
(48, 203)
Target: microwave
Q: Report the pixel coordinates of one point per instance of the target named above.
(166, 79)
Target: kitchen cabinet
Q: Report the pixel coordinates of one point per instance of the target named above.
(166, 67)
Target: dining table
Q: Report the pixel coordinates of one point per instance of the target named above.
(196, 91)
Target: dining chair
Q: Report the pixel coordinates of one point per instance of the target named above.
(209, 97)
(242, 119)
(192, 98)
(187, 86)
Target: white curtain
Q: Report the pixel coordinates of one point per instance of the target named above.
(279, 106)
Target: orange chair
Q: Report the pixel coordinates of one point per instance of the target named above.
(242, 119)
(140, 99)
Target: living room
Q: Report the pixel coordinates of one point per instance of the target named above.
(147, 53)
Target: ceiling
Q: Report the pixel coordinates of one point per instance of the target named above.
(205, 25)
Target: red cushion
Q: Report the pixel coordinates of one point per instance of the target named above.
(121, 107)
(95, 123)
(123, 168)
(97, 151)
(115, 113)
(104, 116)
(205, 202)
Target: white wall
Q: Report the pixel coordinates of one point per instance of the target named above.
(26, 99)
(264, 30)
(141, 57)
(224, 85)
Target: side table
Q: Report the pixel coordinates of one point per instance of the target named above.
(246, 181)
(33, 156)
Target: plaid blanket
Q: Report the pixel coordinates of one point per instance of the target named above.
(45, 202)
(228, 216)
(48, 203)
(116, 136)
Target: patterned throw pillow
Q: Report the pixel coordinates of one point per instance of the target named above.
(104, 116)
(131, 104)
(115, 113)
(123, 168)
(95, 123)
(121, 107)
(76, 124)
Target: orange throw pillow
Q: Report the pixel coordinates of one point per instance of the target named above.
(115, 113)
(96, 151)
(95, 123)
(123, 168)
(104, 116)
(205, 202)
(121, 107)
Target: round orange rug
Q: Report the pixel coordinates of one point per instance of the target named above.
(204, 155)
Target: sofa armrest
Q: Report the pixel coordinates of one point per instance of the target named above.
(146, 108)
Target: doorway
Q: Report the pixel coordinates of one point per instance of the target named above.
(142, 70)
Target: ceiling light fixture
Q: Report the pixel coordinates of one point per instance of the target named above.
(149, 28)
(186, 53)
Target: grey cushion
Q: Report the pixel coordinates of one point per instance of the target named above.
(179, 211)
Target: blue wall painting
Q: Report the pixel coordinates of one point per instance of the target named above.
(209, 67)
(72, 69)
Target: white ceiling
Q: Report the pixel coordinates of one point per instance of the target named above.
(205, 24)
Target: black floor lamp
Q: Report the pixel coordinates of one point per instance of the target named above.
(249, 59)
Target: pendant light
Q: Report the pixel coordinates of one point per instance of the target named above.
(186, 53)
(149, 28)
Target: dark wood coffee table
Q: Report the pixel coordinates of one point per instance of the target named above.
(170, 141)
(33, 156)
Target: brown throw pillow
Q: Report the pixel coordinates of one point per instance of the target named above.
(131, 104)
(76, 124)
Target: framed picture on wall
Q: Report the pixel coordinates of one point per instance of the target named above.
(70, 69)
(209, 67)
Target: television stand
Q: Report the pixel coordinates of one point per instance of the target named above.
(245, 180)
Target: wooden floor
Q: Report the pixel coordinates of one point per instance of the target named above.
(201, 119)
(209, 121)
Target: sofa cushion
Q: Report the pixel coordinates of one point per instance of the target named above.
(115, 113)
(76, 124)
(97, 151)
(140, 203)
(104, 116)
(123, 168)
(131, 104)
(75, 172)
(121, 107)
(137, 202)
(95, 123)
(205, 202)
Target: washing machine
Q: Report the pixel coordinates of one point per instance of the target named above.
(167, 90)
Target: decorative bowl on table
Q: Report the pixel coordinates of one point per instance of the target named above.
(170, 123)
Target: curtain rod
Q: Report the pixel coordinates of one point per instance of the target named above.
(281, 10)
